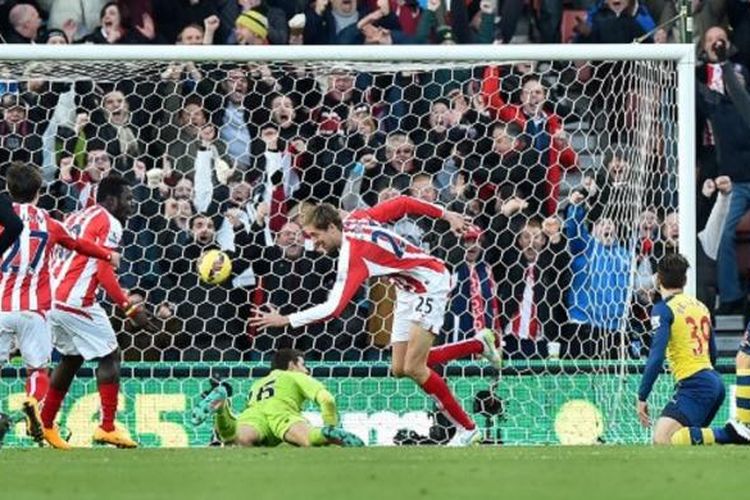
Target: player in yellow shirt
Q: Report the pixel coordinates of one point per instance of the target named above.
(274, 409)
(683, 333)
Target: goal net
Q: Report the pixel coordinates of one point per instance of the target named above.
(567, 167)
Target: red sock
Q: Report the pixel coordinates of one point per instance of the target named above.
(37, 384)
(436, 387)
(108, 394)
(51, 406)
(448, 352)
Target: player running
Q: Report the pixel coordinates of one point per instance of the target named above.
(684, 334)
(81, 329)
(366, 249)
(274, 409)
(25, 292)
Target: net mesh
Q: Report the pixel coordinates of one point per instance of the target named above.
(567, 169)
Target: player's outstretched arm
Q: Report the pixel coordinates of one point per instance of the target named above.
(397, 207)
(61, 236)
(349, 277)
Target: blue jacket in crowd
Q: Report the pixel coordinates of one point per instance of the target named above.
(601, 273)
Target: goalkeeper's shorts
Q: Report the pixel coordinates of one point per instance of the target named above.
(271, 426)
(697, 399)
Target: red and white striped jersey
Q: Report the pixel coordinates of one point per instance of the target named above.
(76, 277)
(87, 195)
(25, 267)
(86, 190)
(369, 249)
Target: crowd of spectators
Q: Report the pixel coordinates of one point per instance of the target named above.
(230, 155)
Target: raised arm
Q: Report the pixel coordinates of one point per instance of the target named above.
(204, 184)
(575, 227)
(396, 208)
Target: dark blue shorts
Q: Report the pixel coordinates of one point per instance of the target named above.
(696, 399)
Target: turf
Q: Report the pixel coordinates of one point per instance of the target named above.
(605, 472)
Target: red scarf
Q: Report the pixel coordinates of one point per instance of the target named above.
(522, 318)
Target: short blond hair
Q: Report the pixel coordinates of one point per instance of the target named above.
(322, 216)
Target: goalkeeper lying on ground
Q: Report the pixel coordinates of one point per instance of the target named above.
(274, 409)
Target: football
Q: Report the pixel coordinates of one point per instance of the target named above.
(214, 267)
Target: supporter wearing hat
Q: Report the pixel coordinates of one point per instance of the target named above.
(251, 28)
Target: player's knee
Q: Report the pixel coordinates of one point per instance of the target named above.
(743, 361)
(108, 369)
(245, 442)
(415, 371)
(245, 437)
(662, 438)
(303, 442)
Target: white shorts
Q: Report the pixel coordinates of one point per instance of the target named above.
(427, 310)
(83, 332)
(28, 331)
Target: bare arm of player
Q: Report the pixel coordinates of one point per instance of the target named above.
(350, 276)
(137, 313)
(397, 207)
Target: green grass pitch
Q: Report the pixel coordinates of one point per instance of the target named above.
(603, 472)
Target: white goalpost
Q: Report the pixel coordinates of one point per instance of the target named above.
(243, 137)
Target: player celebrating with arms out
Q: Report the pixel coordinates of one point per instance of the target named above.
(80, 327)
(366, 249)
(274, 409)
(683, 334)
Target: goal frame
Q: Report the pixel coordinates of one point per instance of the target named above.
(683, 54)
